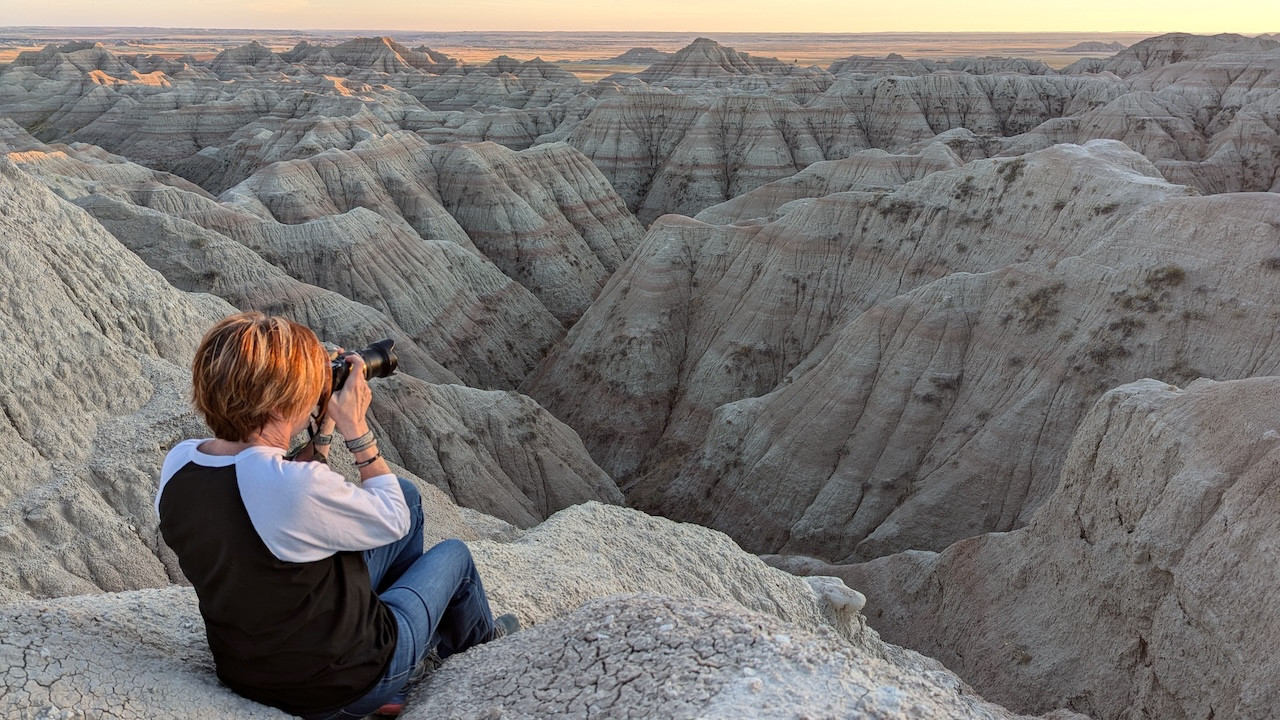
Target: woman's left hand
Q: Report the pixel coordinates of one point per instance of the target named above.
(326, 423)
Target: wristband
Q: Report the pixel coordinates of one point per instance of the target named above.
(366, 440)
(366, 463)
(321, 440)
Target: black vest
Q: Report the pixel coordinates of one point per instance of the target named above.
(304, 637)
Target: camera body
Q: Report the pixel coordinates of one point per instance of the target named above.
(380, 360)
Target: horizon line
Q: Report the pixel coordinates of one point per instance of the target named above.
(384, 31)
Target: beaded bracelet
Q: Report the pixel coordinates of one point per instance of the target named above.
(366, 440)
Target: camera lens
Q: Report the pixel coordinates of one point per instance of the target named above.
(380, 361)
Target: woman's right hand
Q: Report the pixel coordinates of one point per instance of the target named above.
(348, 406)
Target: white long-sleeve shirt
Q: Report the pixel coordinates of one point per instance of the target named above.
(303, 511)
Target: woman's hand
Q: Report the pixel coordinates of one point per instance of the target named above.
(348, 406)
(326, 423)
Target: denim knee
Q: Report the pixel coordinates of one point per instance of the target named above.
(454, 546)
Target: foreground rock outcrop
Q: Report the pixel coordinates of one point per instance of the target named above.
(643, 656)
(1145, 587)
(804, 648)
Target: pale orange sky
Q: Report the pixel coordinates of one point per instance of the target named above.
(1249, 17)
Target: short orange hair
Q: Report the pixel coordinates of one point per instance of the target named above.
(250, 367)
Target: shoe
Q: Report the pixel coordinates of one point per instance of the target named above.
(392, 707)
(428, 665)
(504, 625)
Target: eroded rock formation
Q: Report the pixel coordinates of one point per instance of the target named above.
(99, 341)
(102, 392)
(1141, 587)
(406, 230)
(914, 362)
(1172, 48)
(695, 129)
(905, 285)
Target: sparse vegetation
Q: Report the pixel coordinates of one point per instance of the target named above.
(1126, 326)
(947, 383)
(1011, 170)
(1153, 296)
(1167, 276)
(899, 210)
(944, 386)
(1107, 350)
(1040, 306)
(930, 398)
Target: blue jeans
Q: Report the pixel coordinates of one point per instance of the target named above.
(437, 600)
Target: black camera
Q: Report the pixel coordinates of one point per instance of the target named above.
(379, 361)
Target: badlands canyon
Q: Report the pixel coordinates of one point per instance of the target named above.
(890, 388)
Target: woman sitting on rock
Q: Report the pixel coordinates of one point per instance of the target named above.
(316, 595)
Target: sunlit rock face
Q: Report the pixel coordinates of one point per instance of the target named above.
(894, 64)
(380, 54)
(707, 65)
(1170, 49)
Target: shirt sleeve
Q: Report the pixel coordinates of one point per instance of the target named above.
(304, 511)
